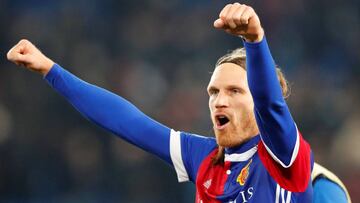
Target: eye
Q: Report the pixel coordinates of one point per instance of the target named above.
(235, 91)
(212, 92)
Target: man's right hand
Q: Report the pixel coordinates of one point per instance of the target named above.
(26, 54)
(240, 20)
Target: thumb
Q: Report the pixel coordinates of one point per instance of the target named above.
(25, 58)
(219, 23)
(19, 58)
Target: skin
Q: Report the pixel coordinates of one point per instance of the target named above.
(24, 53)
(236, 19)
(229, 96)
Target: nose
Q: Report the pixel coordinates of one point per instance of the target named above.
(221, 100)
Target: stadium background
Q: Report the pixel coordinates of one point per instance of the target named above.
(158, 54)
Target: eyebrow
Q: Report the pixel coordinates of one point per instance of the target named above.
(210, 88)
(242, 90)
(236, 87)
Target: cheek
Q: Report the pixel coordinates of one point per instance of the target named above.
(248, 102)
(244, 108)
(211, 109)
(211, 105)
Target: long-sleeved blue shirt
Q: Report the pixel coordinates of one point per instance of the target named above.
(274, 166)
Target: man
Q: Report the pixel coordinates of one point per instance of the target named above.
(328, 188)
(258, 155)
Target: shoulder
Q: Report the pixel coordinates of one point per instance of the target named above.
(327, 186)
(200, 142)
(326, 191)
(187, 151)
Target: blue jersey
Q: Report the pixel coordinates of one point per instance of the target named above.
(274, 166)
(249, 173)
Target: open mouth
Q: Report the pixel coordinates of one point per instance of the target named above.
(221, 120)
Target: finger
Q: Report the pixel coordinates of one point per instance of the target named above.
(23, 42)
(22, 46)
(11, 52)
(20, 64)
(230, 13)
(224, 11)
(19, 58)
(17, 49)
(8, 55)
(219, 23)
(247, 14)
(23, 58)
(238, 13)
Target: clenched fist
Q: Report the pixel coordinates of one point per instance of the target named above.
(240, 20)
(26, 54)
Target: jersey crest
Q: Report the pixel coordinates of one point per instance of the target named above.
(244, 174)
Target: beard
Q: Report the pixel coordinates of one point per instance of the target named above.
(238, 131)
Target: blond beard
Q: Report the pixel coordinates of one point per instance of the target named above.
(235, 135)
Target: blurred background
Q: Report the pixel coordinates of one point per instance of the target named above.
(159, 54)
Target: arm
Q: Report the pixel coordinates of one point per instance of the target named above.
(283, 152)
(183, 150)
(106, 109)
(277, 128)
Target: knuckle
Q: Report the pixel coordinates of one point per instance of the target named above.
(243, 6)
(237, 19)
(236, 16)
(8, 55)
(227, 7)
(243, 19)
(23, 41)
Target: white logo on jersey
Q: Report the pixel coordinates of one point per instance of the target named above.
(207, 184)
(245, 195)
(281, 191)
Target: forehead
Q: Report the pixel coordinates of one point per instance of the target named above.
(228, 74)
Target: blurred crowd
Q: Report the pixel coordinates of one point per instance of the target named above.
(159, 55)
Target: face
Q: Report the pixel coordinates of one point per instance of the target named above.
(231, 106)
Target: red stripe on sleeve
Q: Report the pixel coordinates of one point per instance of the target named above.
(295, 178)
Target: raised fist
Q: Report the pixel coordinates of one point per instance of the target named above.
(241, 20)
(26, 54)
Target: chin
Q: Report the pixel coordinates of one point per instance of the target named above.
(228, 144)
(225, 140)
(230, 139)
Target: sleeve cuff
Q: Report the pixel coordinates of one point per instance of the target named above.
(52, 72)
(247, 45)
